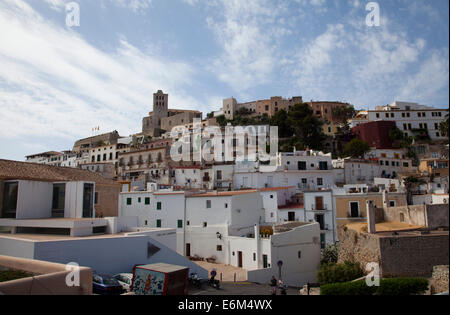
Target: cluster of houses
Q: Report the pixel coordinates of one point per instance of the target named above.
(114, 202)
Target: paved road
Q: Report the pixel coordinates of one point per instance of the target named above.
(238, 288)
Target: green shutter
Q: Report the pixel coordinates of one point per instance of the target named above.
(147, 201)
(158, 206)
(128, 201)
(158, 223)
(180, 224)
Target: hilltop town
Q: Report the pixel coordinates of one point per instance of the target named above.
(365, 187)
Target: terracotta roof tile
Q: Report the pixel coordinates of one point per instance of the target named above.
(40, 172)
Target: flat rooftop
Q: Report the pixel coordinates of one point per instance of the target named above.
(384, 227)
(63, 223)
(52, 238)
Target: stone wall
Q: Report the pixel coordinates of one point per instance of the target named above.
(108, 200)
(412, 256)
(439, 280)
(353, 246)
(437, 216)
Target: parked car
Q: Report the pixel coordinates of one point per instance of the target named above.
(125, 280)
(106, 285)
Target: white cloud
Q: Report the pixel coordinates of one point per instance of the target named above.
(55, 84)
(432, 76)
(248, 32)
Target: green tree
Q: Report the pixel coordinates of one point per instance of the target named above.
(307, 127)
(343, 113)
(357, 148)
(221, 120)
(280, 119)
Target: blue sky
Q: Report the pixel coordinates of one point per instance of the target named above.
(57, 83)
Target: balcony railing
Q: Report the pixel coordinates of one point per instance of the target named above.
(320, 208)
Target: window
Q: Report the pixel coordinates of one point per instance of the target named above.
(378, 115)
(219, 175)
(323, 166)
(254, 257)
(301, 166)
(319, 181)
(96, 198)
(139, 200)
(354, 209)
(299, 254)
(219, 248)
(180, 224)
(271, 196)
(58, 202)
(392, 203)
(129, 201)
(147, 200)
(158, 223)
(208, 204)
(104, 157)
(205, 224)
(226, 206)
(402, 217)
(146, 222)
(158, 205)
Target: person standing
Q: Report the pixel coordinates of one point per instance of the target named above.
(273, 285)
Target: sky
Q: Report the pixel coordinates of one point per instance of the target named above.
(58, 82)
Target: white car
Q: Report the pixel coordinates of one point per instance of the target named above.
(125, 280)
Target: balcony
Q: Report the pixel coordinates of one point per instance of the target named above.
(319, 208)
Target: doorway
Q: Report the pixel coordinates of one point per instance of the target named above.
(354, 209)
(240, 264)
(319, 203)
(291, 216)
(88, 201)
(188, 250)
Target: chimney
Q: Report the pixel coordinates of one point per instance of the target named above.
(371, 223)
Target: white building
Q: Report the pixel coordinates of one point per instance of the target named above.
(50, 224)
(392, 162)
(410, 117)
(360, 171)
(306, 170)
(319, 207)
(47, 158)
(156, 209)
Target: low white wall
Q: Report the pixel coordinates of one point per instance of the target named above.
(108, 255)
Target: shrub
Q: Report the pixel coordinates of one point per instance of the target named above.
(402, 286)
(347, 288)
(395, 286)
(336, 273)
(329, 254)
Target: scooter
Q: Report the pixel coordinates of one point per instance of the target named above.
(195, 280)
(214, 283)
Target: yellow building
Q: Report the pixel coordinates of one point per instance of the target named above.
(437, 167)
(351, 202)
